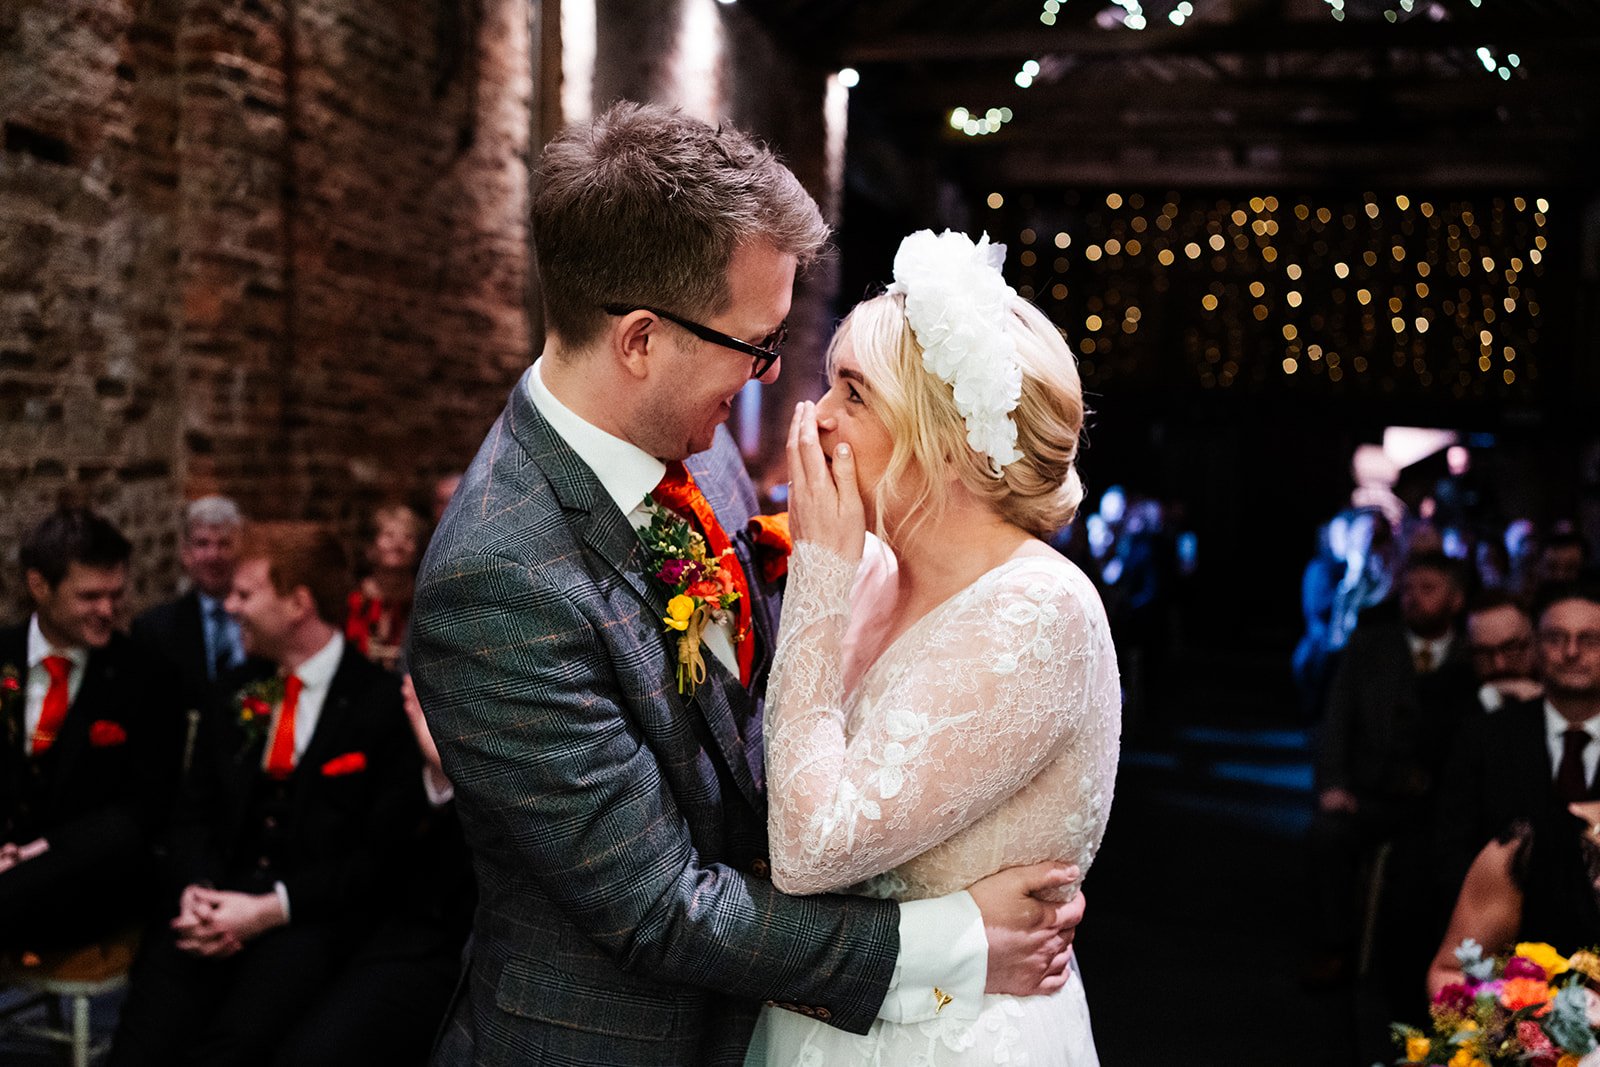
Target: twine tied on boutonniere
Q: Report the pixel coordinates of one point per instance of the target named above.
(254, 705)
(701, 588)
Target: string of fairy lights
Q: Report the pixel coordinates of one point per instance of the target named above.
(1386, 293)
(1131, 15)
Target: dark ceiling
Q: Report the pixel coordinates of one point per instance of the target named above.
(1242, 93)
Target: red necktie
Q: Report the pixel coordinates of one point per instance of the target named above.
(1570, 782)
(678, 492)
(54, 712)
(280, 756)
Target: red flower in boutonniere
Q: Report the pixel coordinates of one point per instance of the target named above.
(349, 763)
(254, 705)
(104, 733)
(770, 534)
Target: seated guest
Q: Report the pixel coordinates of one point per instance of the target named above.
(1505, 767)
(300, 798)
(387, 1001)
(1563, 555)
(82, 760)
(380, 610)
(1397, 696)
(193, 640)
(1534, 883)
(1500, 639)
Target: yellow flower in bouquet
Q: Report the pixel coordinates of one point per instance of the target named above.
(1417, 1048)
(1544, 955)
(1464, 1057)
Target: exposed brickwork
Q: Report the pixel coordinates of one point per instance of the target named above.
(277, 248)
(158, 340)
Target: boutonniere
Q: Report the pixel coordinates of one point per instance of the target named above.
(10, 693)
(104, 733)
(773, 542)
(253, 705)
(701, 587)
(349, 763)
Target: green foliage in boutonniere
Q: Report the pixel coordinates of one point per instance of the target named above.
(253, 705)
(10, 697)
(702, 588)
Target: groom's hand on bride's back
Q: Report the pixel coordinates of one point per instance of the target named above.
(1029, 926)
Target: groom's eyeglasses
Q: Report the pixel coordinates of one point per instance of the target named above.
(763, 355)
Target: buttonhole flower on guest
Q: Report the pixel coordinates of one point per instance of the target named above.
(104, 733)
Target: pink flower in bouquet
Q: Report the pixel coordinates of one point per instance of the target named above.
(1454, 997)
(1541, 1051)
(1521, 967)
(671, 572)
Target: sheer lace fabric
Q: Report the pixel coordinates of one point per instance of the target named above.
(985, 736)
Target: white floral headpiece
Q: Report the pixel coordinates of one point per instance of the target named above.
(956, 303)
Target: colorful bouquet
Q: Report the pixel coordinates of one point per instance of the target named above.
(1534, 1007)
(702, 588)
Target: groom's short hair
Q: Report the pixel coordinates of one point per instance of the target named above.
(645, 205)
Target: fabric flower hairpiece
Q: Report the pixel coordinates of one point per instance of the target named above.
(957, 303)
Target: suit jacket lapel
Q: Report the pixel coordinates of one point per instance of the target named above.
(333, 724)
(190, 633)
(595, 518)
(100, 679)
(13, 743)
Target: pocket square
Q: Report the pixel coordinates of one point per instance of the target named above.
(103, 733)
(349, 763)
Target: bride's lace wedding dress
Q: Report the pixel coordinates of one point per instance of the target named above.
(985, 736)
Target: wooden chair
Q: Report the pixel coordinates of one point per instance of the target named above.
(74, 976)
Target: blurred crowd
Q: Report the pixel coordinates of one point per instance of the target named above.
(1452, 666)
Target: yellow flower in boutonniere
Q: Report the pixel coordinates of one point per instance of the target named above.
(1417, 1048)
(680, 609)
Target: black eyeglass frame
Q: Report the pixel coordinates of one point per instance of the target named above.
(763, 358)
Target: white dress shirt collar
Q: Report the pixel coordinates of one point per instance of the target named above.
(1438, 648)
(39, 647)
(1555, 725)
(625, 471)
(318, 669)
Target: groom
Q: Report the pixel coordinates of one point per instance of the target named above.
(618, 827)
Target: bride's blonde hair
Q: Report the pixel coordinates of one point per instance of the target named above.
(1039, 492)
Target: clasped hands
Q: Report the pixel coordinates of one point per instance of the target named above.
(12, 853)
(216, 923)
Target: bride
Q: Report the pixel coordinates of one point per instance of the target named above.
(944, 701)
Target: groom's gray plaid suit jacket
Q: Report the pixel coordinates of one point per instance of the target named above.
(615, 826)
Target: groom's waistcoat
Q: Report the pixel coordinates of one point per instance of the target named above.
(605, 811)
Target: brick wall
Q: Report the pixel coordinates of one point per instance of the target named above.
(277, 248)
(272, 249)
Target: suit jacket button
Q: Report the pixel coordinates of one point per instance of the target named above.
(270, 822)
(263, 863)
(824, 1014)
(761, 869)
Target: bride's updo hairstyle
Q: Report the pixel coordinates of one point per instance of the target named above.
(1039, 492)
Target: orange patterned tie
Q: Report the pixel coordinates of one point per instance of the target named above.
(54, 712)
(280, 756)
(678, 492)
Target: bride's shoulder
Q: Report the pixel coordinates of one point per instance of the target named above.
(1041, 574)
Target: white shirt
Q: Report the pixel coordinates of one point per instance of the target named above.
(39, 650)
(1555, 726)
(316, 675)
(1438, 648)
(942, 943)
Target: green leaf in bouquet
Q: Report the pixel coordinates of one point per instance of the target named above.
(1568, 1022)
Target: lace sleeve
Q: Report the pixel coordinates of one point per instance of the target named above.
(994, 688)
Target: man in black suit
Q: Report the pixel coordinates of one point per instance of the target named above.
(302, 793)
(1397, 699)
(192, 638)
(1529, 754)
(81, 762)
